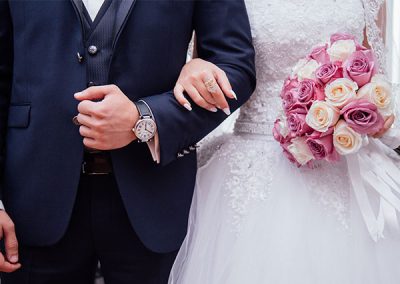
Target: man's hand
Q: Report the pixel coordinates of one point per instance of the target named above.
(8, 263)
(107, 117)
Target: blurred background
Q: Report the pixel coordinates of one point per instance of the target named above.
(393, 37)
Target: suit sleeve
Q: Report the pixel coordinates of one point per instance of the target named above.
(6, 62)
(223, 38)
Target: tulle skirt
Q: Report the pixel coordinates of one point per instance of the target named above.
(257, 219)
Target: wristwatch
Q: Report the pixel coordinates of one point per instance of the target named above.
(145, 129)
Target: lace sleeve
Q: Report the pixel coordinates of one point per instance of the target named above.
(376, 26)
(375, 30)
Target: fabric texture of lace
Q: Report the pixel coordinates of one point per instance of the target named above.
(250, 152)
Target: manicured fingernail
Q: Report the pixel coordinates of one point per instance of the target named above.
(234, 94)
(218, 107)
(227, 111)
(14, 259)
(76, 95)
(188, 107)
(213, 109)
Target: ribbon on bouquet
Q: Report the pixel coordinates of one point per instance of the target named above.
(372, 169)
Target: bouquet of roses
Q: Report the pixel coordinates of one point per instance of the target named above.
(333, 99)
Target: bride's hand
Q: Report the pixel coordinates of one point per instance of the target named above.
(388, 124)
(206, 84)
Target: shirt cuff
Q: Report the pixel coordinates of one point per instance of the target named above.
(154, 147)
(2, 206)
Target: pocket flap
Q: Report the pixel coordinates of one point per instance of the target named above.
(19, 116)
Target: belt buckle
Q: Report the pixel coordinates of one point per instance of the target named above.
(91, 173)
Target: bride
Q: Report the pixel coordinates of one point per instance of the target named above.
(255, 217)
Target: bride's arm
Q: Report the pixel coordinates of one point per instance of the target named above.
(375, 37)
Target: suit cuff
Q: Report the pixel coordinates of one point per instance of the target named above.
(1, 205)
(154, 147)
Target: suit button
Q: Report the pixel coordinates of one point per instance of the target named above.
(93, 50)
(91, 84)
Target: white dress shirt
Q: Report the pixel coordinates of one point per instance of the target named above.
(93, 7)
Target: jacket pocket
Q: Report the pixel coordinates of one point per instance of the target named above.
(19, 116)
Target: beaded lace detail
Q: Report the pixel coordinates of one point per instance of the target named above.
(283, 33)
(374, 35)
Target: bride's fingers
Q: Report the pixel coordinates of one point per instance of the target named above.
(202, 89)
(214, 89)
(224, 83)
(388, 124)
(180, 97)
(192, 92)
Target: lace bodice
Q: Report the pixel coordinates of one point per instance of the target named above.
(284, 31)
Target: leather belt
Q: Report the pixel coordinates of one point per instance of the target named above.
(97, 163)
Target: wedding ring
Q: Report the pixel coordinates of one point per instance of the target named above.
(211, 86)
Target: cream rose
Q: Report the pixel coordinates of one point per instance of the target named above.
(379, 92)
(307, 71)
(300, 151)
(340, 92)
(341, 50)
(345, 139)
(322, 116)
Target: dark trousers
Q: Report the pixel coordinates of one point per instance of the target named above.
(99, 231)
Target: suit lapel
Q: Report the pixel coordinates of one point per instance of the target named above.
(77, 4)
(124, 10)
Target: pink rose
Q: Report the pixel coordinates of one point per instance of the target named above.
(296, 121)
(320, 54)
(363, 117)
(289, 93)
(321, 146)
(308, 91)
(329, 72)
(360, 67)
(339, 36)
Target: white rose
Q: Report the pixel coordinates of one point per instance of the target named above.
(345, 139)
(300, 64)
(379, 92)
(307, 71)
(341, 50)
(300, 151)
(322, 116)
(340, 92)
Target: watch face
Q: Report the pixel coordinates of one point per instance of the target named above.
(145, 129)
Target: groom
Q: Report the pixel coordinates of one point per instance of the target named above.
(78, 193)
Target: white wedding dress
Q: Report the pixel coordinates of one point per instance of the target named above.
(256, 218)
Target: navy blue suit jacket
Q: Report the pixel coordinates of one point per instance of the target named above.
(41, 149)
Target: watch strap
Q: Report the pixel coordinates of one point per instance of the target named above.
(144, 109)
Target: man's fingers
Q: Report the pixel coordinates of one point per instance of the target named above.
(90, 143)
(198, 99)
(87, 107)
(224, 83)
(84, 119)
(86, 132)
(180, 97)
(7, 267)
(10, 242)
(95, 93)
